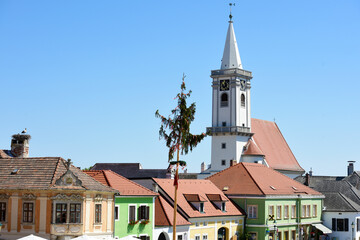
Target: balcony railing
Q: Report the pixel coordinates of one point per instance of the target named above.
(232, 71)
(235, 129)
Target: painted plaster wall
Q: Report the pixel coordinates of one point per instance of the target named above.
(122, 226)
(211, 227)
(168, 231)
(352, 216)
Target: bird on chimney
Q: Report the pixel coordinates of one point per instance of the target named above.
(24, 131)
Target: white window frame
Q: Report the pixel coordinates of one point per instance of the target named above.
(197, 237)
(146, 205)
(278, 216)
(117, 211)
(205, 235)
(272, 208)
(286, 214)
(314, 210)
(129, 212)
(293, 213)
(250, 212)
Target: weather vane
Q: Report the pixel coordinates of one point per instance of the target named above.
(231, 4)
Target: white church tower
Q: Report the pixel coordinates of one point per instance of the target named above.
(231, 120)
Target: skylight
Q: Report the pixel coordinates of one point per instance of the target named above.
(272, 187)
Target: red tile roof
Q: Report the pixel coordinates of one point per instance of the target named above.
(200, 187)
(125, 186)
(164, 214)
(257, 179)
(43, 173)
(252, 149)
(272, 143)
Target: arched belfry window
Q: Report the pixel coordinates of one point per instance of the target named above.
(242, 100)
(224, 100)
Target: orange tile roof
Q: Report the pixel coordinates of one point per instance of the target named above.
(164, 214)
(200, 187)
(252, 149)
(257, 179)
(125, 186)
(272, 143)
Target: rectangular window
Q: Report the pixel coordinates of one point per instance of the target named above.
(278, 212)
(2, 212)
(286, 212)
(271, 210)
(75, 213)
(293, 235)
(293, 211)
(197, 237)
(201, 207)
(223, 162)
(252, 211)
(358, 224)
(253, 236)
(314, 210)
(223, 145)
(223, 206)
(28, 210)
(308, 211)
(286, 235)
(143, 212)
(61, 212)
(116, 213)
(340, 224)
(97, 213)
(205, 237)
(131, 213)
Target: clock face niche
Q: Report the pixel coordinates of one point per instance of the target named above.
(224, 85)
(242, 85)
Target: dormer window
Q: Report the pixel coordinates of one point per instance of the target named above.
(223, 206)
(201, 207)
(218, 201)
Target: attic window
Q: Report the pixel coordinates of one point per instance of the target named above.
(15, 171)
(201, 207)
(272, 187)
(294, 188)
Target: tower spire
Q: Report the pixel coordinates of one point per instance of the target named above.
(231, 56)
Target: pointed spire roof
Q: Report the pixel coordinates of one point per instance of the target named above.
(231, 56)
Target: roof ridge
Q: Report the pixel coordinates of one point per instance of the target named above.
(162, 207)
(253, 178)
(106, 178)
(348, 200)
(132, 182)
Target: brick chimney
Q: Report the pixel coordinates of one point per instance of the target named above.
(350, 168)
(20, 145)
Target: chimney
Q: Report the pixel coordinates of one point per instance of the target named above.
(203, 166)
(20, 145)
(311, 172)
(350, 167)
(232, 162)
(307, 180)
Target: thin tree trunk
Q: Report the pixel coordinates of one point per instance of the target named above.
(175, 199)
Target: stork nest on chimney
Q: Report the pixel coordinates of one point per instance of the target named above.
(21, 136)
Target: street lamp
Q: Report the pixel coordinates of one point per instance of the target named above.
(352, 228)
(275, 230)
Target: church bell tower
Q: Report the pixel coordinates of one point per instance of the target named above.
(231, 120)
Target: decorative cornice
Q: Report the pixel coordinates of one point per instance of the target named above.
(28, 196)
(4, 196)
(98, 198)
(72, 197)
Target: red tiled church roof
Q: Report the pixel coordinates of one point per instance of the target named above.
(272, 143)
(123, 185)
(257, 179)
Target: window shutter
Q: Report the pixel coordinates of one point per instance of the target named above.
(346, 224)
(334, 224)
(139, 213)
(147, 216)
(147, 237)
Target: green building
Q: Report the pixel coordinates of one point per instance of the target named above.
(277, 206)
(134, 213)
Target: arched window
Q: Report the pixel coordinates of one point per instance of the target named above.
(224, 100)
(242, 100)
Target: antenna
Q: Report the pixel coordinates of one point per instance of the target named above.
(230, 16)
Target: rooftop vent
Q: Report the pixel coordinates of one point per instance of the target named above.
(294, 188)
(272, 187)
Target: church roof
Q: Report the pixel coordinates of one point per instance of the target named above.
(258, 180)
(231, 56)
(252, 149)
(272, 143)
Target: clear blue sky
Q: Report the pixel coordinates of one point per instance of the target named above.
(86, 77)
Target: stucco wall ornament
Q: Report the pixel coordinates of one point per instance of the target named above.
(98, 198)
(4, 196)
(64, 197)
(29, 196)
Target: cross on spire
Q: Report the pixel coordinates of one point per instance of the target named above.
(230, 16)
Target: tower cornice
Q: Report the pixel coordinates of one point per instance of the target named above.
(232, 72)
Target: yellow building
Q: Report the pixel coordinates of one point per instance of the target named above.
(51, 198)
(200, 202)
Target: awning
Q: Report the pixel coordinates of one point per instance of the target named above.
(322, 228)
